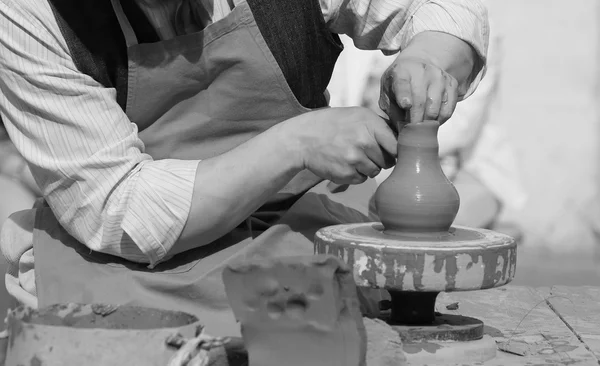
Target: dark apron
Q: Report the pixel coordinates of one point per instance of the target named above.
(221, 82)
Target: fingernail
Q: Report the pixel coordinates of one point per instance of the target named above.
(405, 103)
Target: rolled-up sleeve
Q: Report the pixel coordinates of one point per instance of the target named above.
(84, 152)
(389, 25)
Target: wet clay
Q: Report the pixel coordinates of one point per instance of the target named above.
(452, 235)
(97, 316)
(297, 311)
(450, 353)
(417, 197)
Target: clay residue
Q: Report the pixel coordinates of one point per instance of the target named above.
(123, 317)
(422, 346)
(35, 361)
(384, 347)
(493, 332)
(453, 235)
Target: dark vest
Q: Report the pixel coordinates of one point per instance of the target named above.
(294, 31)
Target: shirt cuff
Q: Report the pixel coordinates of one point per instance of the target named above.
(160, 206)
(463, 19)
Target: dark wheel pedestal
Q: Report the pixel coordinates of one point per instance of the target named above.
(413, 316)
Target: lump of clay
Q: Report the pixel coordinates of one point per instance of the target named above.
(297, 311)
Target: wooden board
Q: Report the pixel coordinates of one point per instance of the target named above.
(579, 307)
(520, 317)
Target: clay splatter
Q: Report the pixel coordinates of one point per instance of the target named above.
(35, 361)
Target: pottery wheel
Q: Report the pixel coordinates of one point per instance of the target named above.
(414, 268)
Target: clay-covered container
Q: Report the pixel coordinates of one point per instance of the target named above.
(417, 197)
(75, 334)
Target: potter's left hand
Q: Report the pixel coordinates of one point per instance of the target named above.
(419, 86)
(428, 77)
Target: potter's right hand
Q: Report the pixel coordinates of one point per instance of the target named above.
(344, 145)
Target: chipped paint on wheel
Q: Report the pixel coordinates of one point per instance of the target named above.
(479, 259)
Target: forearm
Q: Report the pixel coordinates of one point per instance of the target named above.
(230, 187)
(445, 51)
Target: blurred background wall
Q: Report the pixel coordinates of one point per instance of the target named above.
(549, 102)
(546, 106)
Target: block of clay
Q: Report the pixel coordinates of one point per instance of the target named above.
(297, 311)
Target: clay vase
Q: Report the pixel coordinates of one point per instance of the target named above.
(417, 197)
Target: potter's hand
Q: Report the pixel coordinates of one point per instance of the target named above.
(417, 85)
(344, 145)
(428, 77)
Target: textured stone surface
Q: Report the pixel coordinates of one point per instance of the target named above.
(384, 347)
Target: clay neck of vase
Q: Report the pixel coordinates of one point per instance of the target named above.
(418, 149)
(420, 137)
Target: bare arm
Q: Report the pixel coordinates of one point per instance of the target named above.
(230, 187)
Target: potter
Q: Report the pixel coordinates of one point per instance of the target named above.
(172, 138)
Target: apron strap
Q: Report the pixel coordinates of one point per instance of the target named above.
(126, 28)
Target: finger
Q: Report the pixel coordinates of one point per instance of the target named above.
(388, 101)
(395, 118)
(346, 174)
(397, 115)
(401, 91)
(368, 168)
(394, 126)
(449, 100)
(352, 177)
(359, 178)
(384, 153)
(419, 85)
(435, 94)
(380, 157)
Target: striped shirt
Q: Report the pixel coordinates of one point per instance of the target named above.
(85, 153)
